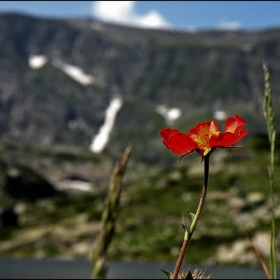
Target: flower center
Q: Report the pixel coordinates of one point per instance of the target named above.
(202, 139)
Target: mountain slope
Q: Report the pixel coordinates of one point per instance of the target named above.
(198, 73)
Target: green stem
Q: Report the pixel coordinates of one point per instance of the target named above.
(109, 217)
(189, 233)
(269, 116)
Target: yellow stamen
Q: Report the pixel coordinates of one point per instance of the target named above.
(203, 136)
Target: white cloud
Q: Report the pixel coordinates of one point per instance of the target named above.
(123, 12)
(229, 25)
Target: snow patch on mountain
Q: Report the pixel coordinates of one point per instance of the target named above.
(37, 61)
(170, 114)
(220, 115)
(74, 72)
(101, 139)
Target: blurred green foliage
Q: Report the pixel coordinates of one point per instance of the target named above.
(153, 200)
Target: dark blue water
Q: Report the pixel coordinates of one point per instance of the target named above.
(68, 269)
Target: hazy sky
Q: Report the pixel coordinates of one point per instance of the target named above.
(161, 14)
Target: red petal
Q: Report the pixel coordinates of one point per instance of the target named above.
(197, 129)
(226, 139)
(214, 129)
(167, 132)
(180, 143)
(234, 124)
(177, 142)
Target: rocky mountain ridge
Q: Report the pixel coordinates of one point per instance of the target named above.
(197, 74)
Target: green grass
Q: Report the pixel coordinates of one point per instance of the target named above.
(153, 200)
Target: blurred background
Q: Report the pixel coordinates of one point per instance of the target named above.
(81, 80)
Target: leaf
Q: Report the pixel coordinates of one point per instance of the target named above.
(188, 275)
(191, 214)
(167, 273)
(185, 227)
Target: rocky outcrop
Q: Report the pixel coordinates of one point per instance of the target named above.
(21, 182)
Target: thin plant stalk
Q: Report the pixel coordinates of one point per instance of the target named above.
(263, 264)
(269, 116)
(189, 231)
(109, 216)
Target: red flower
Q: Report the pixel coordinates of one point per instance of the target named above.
(204, 137)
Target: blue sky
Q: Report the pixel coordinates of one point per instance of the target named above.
(196, 15)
